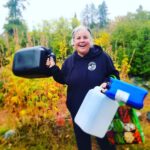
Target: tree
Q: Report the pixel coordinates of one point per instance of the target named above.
(89, 15)
(93, 15)
(85, 15)
(15, 8)
(60, 37)
(102, 14)
(15, 21)
(132, 35)
(74, 22)
(141, 14)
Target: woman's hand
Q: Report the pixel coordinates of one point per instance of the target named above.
(103, 87)
(50, 62)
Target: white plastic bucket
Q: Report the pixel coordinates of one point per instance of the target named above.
(96, 113)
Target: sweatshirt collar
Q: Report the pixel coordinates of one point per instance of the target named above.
(93, 52)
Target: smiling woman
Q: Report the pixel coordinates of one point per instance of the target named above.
(87, 67)
(82, 40)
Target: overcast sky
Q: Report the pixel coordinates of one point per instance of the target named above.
(38, 10)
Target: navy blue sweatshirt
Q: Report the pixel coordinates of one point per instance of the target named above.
(82, 74)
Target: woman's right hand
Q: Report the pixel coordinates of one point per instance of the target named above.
(50, 62)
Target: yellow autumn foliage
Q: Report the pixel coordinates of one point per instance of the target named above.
(63, 49)
(14, 100)
(125, 68)
(28, 98)
(102, 39)
(23, 112)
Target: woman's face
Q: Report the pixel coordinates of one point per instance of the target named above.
(82, 42)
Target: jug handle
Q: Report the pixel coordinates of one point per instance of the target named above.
(99, 89)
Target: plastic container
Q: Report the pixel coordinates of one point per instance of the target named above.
(31, 62)
(129, 94)
(96, 113)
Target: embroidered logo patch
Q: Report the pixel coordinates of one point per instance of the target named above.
(91, 66)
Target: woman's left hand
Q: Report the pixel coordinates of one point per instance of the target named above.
(103, 87)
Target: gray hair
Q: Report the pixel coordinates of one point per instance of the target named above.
(78, 28)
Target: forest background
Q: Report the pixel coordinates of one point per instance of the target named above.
(33, 110)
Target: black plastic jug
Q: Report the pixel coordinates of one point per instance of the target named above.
(31, 62)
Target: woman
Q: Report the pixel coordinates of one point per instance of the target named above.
(86, 68)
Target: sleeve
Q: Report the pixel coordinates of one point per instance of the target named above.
(59, 74)
(111, 70)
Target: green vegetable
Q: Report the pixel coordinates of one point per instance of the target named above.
(119, 138)
(118, 125)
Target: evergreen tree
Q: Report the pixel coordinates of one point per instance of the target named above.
(90, 15)
(74, 21)
(15, 21)
(93, 15)
(85, 15)
(102, 14)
